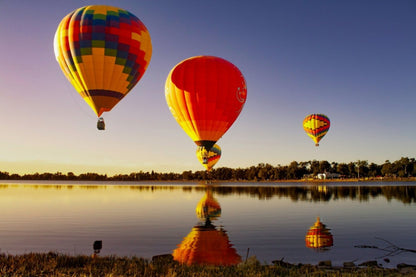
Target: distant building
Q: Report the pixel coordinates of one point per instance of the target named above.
(328, 175)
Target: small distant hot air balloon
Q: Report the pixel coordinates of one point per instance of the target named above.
(205, 95)
(316, 126)
(103, 51)
(208, 207)
(206, 245)
(318, 236)
(208, 158)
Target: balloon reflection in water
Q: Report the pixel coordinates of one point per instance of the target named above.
(318, 236)
(206, 244)
(208, 207)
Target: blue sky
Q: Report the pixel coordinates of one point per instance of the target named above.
(351, 60)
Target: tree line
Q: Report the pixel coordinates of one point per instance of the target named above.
(361, 169)
(316, 192)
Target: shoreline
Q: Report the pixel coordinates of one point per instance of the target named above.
(309, 180)
(56, 264)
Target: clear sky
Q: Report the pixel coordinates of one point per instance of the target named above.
(351, 60)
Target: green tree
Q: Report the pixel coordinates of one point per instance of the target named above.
(387, 169)
(292, 170)
(324, 166)
(352, 171)
(374, 170)
(315, 167)
(343, 169)
(362, 168)
(402, 167)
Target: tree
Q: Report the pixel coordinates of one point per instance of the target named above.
(292, 170)
(315, 167)
(324, 166)
(362, 168)
(334, 166)
(187, 175)
(351, 169)
(387, 169)
(402, 167)
(239, 174)
(343, 169)
(374, 170)
(282, 172)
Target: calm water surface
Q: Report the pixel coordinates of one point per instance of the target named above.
(266, 220)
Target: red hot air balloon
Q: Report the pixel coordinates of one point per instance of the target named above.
(205, 95)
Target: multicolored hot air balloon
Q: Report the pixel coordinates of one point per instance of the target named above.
(318, 236)
(316, 126)
(208, 207)
(208, 158)
(103, 51)
(205, 95)
(206, 245)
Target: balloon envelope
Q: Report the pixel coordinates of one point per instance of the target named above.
(316, 126)
(103, 51)
(208, 158)
(205, 95)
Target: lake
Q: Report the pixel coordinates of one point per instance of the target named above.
(359, 221)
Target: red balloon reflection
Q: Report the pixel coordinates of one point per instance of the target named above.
(318, 236)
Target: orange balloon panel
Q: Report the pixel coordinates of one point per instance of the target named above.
(205, 95)
(206, 245)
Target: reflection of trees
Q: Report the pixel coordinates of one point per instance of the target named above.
(405, 194)
(315, 193)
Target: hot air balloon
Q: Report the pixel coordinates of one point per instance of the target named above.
(206, 245)
(103, 51)
(318, 236)
(205, 95)
(208, 207)
(208, 158)
(316, 126)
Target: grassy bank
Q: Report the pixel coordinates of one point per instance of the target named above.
(53, 264)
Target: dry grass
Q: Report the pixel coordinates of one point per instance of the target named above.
(53, 264)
